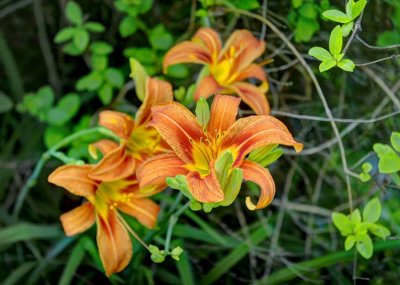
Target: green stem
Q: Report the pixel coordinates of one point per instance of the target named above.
(46, 156)
(310, 266)
(172, 222)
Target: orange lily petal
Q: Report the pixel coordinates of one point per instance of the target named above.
(178, 127)
(207, 189)
(207, 86)
(104, 146)
(247, 47)
(115, 246)
(210, 39)
(187, 52)
(78, 220)
(223, 113)
(252, 71)
(157, 91)
(75, 179)
(261, 176)
(154, 170)
(248, 134)
(252, 96)
(144, 210)
(120, 123)
(115, 165)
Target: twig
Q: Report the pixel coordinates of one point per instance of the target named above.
(383, 86)
(14, 7)
(393, 56)
(357, 27)
(377, 47)
(45, 46)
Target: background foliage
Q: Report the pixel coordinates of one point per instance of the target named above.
(60, 65)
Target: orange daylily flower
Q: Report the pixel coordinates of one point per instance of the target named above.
(105, 200)
(137, 140)
(229, 66)
(196, 149)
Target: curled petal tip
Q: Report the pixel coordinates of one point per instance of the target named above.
(298, 147)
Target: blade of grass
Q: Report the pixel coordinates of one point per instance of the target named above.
(184, 266)
(193, 233)
(286, 274)
(18, 273)
(76, 257)
(226, 263)
(26, 231)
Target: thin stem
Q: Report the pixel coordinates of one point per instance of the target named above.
(377, 47)
(172, 222)
(46, 156)
(132, 232)
(357, 27)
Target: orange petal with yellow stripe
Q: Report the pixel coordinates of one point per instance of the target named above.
(255, 173)
(144, 210)
(207, 189)
(115, 165)
(223, 113)
(104, 146)
(207, 87)
(252, 96)
(154, 170)
(208, 38)
(78, 220)
(121, 124)
(246, 47)
(248, 134)
(178, 127)
(187, 52)
(75, 179)
(115, 246)
(157, 91)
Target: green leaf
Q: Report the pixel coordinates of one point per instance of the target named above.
(364, 177)
(27, 232)
(71, 49)
(222, 167)
(178, 71)
(202, 112)
(75, 259)
(326, 65)
(18, 273)
(336, 42)
(336, 16)
(65, 110)
(346, 65)
(64, 35)
(81, 39)
(355, 217)
(54, 134)
(379, 231)
(309, 11)
(106, 94)
(74, 13)
(305, 29)
(140, 76)
(114, 77)
(342, 223)
(101, 48)
(160, 38)
(372, 211)
(357, 8)
(388, 38)
(347, 28)
(297, 3)
(5, 103)
(396, 178)
(350, 242)
(144, 55)
(232, 188)
(90, 82)
(366, 167)
(389, 160)
(99, 62)
(395, 141)
(320, 53)
(364, 246)
(127, 27)
(266, 155)
(94, 27)
(145, 6)
(246, 4)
